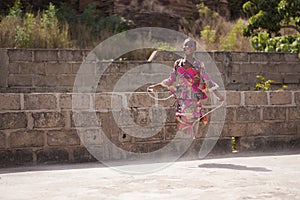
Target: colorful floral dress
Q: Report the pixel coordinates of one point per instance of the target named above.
(190, 87)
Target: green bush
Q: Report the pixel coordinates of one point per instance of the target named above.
(265, 85)
(286, 43)
(235, 36)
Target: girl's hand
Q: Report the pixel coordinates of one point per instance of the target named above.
(151, 88)
(221, 98)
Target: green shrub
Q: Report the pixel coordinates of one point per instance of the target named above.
(287, 43)
(208, 35)
(265, 85)
(234, 37)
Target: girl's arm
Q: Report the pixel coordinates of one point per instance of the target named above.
(212, 86)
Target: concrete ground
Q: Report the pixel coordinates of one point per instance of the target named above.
(259, 176)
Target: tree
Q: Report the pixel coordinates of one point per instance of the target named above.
(266, 20)
(272, 16)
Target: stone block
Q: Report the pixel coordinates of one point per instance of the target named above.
(170, 100)
(40, 101)
(258, 129)
(294, 113)
(236, 129)
(269, 143)
(291, 78)
(91, 137)
(291, 57)
(256, 98)
(66, 80)
(230, 115)
(52, 155)
(108, 101)
(286, 67)
(247, 114)
(257, 57)
(62, 138)
(282, 128)
(4, 67)
(13, 120)
(48, 120)
(250, 68)
(297, 98)
(20, 80)
(65, 55)
(21, 139)
(139, 100)
(276, 77)
(240, 57)
(75, 67)
(14, 68)
(81, 154)
(281, 98)
(91, 81)
(46, 55)
(170, 131)
(219, 56)
(9, 158)
(58, 68)
(2, 140)
(65, 101)
(46, 81)
(236, 68)
(20, 55)
(233, 98)
(40, 69)
(90, 69)
(70, 55)
(276, 57)
(27, 68)
(222, 69)
(80, 101)
(86, 119)
(274, 113)
(236, 78)
(10, 102)
(171, 115)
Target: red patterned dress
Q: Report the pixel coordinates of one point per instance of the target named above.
(190, 86)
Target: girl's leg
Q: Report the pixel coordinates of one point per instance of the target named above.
(195, 130)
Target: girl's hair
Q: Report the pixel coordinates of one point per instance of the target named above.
(190, 40)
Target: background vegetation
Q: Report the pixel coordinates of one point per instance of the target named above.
(255, 25)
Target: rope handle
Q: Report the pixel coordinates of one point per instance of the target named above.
(156, 98)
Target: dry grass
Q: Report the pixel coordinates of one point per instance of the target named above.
(213, 32)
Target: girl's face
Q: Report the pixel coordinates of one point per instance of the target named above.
(189, 48)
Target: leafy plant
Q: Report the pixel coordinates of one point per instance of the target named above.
(208, 35)
(269, 19)
(287, 43)
(16, 10)
(262, 83)
(234, 37)
(265, 85)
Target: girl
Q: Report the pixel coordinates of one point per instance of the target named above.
(192, 84)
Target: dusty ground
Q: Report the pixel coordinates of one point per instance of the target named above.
(259, 176)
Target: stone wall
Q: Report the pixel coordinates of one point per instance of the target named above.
(36, 116)
(55, 70)
(39, 128)
(239, 69)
